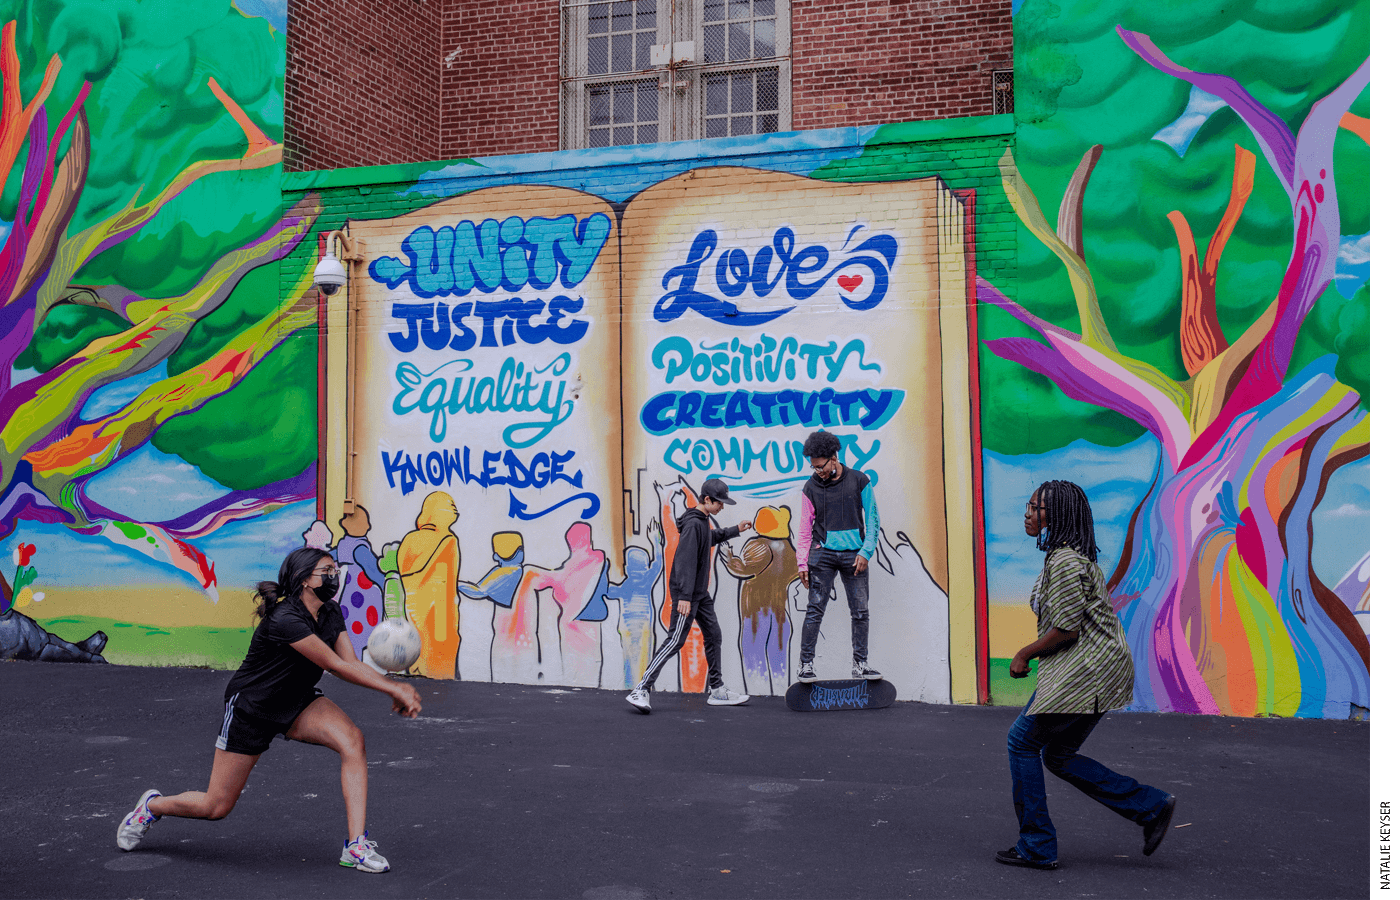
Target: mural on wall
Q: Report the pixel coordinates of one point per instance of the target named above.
(142, 237)
(530, 354)
(1227, 521)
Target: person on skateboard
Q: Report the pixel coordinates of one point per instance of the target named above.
(1086, 669)
(690, 596)
(837, 532)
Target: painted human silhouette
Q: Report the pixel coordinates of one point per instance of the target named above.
(429, 559)
(362, 583)
(512, 652)
(674, 499)
(633, 593)
(577, 587)
(766, 566)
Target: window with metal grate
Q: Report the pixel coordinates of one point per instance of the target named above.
(1003, 91)
(643, 71)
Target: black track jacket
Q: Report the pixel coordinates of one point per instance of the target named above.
(690, 569)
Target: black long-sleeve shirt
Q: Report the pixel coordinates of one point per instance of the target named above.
(690, 568)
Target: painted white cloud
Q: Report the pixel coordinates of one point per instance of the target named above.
(151, 486)
(1200, 107)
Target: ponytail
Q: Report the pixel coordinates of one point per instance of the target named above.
(296, 568)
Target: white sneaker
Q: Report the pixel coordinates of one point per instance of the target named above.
(723, 696)
(361, 854)
(137, 822)
(641, 699)
(806, 673)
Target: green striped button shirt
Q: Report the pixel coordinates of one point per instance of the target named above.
(1095, 673)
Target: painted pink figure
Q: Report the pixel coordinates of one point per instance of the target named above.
(578, 586)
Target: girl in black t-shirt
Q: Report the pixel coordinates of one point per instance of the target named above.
(301, 635)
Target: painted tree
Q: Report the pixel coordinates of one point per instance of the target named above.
(1215, 585)
(48, 449)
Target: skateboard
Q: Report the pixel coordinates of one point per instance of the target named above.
(847, 694)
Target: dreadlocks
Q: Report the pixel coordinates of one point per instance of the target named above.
(1069, 520)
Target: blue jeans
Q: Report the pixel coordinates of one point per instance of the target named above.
(822, 569)
(1056, 738)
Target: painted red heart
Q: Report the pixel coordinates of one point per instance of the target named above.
(849, 282)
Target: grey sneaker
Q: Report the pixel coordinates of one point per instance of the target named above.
(806, 673)
(361, 854)
(640, 698)
(861, 669)
(723, 696)
(134, 827)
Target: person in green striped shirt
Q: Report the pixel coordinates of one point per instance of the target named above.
(1086, 669)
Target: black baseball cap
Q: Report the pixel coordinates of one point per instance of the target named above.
(716, 490)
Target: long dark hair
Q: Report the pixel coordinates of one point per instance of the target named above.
(296, 568)
(1069, 520)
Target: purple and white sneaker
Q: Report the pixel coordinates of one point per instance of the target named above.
(134, 827)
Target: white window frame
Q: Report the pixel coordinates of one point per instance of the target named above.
(680, 84)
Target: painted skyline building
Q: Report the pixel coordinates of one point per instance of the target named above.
(601, 251)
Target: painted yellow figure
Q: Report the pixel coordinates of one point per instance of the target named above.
(428, 561)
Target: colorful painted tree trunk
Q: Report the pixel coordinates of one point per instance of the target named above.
(1215, 586)
(48, 450)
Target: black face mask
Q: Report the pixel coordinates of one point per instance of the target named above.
(330, 585)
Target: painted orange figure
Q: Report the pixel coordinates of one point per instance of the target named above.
(429, 559)
(675, 499)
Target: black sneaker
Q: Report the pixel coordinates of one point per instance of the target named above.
(1154, 831)
(1012, 858)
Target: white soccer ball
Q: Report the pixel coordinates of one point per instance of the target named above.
(394, 644)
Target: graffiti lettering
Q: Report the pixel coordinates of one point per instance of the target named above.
(767, 359)
(801, 273)
(492, 255)
(433, 323)
(675, 410)
(686, 456)
(495, 468)
(827, 698)
(512, 390)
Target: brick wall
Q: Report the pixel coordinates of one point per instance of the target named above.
(863, 62)
(363, 84)
(500, 90)
(418, 80)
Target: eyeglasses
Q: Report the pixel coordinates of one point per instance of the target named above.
(323, 571)
(1030, 504)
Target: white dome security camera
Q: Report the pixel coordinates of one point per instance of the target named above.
(330, 275)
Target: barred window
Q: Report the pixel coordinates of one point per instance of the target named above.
(1003, 91)
(643, 71)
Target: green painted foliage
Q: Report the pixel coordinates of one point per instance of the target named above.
(65, 331)
(151, 113)
(259, 432)
(1289, 55)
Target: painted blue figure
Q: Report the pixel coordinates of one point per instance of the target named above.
(499, 584)
(640, 571)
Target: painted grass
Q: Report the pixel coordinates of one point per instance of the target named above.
(1008, 691)
(132, 644)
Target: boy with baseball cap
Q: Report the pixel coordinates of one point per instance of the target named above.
(690, 596)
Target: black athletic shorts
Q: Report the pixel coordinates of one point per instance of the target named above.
(248, 734)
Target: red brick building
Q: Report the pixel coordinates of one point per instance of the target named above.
(414, 80)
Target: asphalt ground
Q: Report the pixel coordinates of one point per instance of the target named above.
(514, 791)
